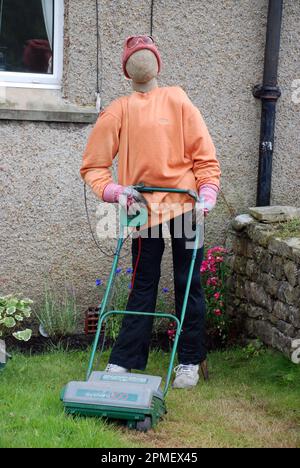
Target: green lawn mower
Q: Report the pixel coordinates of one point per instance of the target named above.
(139, 399)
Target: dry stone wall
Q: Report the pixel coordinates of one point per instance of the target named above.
(264, 287)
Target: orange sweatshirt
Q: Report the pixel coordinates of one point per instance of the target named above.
(161, 140)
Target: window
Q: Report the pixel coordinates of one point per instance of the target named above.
(31, 42)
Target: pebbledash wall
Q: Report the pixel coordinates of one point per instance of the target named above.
(215, 51)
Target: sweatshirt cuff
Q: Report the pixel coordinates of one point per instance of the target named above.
(212, 186)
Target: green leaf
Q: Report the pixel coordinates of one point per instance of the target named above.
(9, 322)
(11, 310)
(20, 318)
(12, 302)
(27, 312)
(27, 301)
(24, 335)
(23, 305)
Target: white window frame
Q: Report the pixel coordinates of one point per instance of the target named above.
(40, 80)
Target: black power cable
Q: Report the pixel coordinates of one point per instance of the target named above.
(99, 61)
(112, 253)
(151, 17)
(90, 225)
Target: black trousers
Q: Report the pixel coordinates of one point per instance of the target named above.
(132, 346)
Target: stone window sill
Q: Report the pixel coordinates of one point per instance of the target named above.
(43, 105)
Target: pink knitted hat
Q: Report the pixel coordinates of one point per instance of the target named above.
(133, 44)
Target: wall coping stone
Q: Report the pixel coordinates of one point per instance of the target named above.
(274, 214)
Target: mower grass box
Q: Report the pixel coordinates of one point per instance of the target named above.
(133, 397)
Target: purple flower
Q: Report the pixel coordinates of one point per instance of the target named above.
(98, 282)
(129, 270)
(165, 290)
(129, 286)
(118, 270)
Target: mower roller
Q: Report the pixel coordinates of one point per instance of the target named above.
(136, 398)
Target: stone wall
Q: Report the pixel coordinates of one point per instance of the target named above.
(264, 288)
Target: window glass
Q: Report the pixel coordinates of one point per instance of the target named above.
(26, 36)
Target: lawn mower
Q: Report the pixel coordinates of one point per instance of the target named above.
(139, 399)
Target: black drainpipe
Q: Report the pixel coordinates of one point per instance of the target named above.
(269, 93)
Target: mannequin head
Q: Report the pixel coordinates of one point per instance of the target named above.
(141, 62)
(142, 66)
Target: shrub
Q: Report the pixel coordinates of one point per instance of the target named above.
(13, 312)
(59, 315)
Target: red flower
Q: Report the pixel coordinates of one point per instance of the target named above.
(217, 312)
(219, 259)
(171, 334)
(216, 249)
(212, 281)
(204, 266)
(217, 295)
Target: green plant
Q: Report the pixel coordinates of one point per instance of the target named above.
(119, 299)
(13, 312)
(214, 272)
(118, 302)
(253, 349)
(59, 315)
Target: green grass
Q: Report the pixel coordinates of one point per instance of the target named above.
(288, 229)
(249, 402)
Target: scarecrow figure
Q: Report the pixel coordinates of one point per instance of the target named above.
(161, 140)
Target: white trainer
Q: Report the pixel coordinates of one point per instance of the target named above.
(114, 369)
(186, 376)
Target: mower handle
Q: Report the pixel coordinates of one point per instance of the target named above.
(144, 189)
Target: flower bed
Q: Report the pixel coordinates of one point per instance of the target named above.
(59, 316)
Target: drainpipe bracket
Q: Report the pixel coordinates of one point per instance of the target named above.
(267, 93)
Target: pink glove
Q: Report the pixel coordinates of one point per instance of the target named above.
(112, 192)
(128, 197)
(209, 192)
